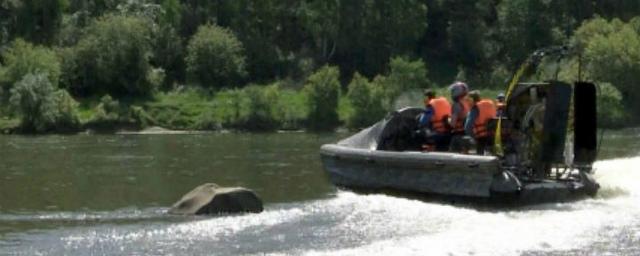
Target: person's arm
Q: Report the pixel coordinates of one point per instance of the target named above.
(469, 123)
(425, 118)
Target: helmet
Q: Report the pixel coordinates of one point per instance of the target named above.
(500, 96)
(458, 89)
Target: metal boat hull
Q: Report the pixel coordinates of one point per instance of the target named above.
(446, 174)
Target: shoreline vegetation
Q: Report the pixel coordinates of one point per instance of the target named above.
(114, 65)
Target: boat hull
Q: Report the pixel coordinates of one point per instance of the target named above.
(438, 173)
(444, 174)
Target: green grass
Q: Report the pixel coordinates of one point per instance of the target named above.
(229, 109)
(178, 110)
(8, 124)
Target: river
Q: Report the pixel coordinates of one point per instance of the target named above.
(107, 195)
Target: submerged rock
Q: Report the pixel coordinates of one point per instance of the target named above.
(208, 199)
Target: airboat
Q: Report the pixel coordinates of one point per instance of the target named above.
(545, 147)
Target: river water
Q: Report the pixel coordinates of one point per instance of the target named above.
(107, 195)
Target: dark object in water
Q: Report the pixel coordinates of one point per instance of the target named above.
(208, 199)
(539, 161)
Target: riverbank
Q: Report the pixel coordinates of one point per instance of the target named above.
(265, 108)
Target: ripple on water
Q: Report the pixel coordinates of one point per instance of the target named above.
(353, 224)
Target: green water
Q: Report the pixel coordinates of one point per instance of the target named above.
(107, 195)
(66, 173)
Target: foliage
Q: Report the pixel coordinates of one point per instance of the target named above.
(610, 110)
(171, 12)
(67, 118)
(110, 113)
(183, 108)
(612, 54)
(112, 57)
(23, 58)
(523, 28)
(143, 51)
(34, 20)
(404, 76)
(260, 107)
(365, 101)
(41, 107)
(214, 57)
(290, 109)
(323, 91)
(107, 111)
(168, 52)
(257, 107)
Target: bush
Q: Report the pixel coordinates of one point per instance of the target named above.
(67, 112)
(228, 110)
(23, 58)
(323, 91)
(610, 110)
(290, 109)
(41, 107)
(404, 76)
(108, 111)
(262, 102)
(215, 57)
(365, 102)
(110, 114)
(112, 57)
(612, 54)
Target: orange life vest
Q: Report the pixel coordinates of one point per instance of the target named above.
(486, 112)
(462, 115)
(441, 112)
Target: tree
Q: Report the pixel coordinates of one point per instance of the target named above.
(365, 101)
(41, 106)
(404, 76)
(23, 58)
(323, 91)
(612, 54)
(322, 20)
(171, 14)
(34, 20)
(168, 54)
(271, 34)
(524, 28)
(112, 57)
(370, 32)
(215, 57)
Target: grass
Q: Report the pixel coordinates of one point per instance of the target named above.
(8, 124)
(178, 110)
(198, 109)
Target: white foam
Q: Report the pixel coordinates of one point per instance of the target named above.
(550, 227)
(353, 224)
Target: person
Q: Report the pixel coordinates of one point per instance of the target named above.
(483, 111)
(434, 120)
(459, 110)
(500, 105)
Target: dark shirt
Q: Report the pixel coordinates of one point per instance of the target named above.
(456, 112)
(471, 119)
